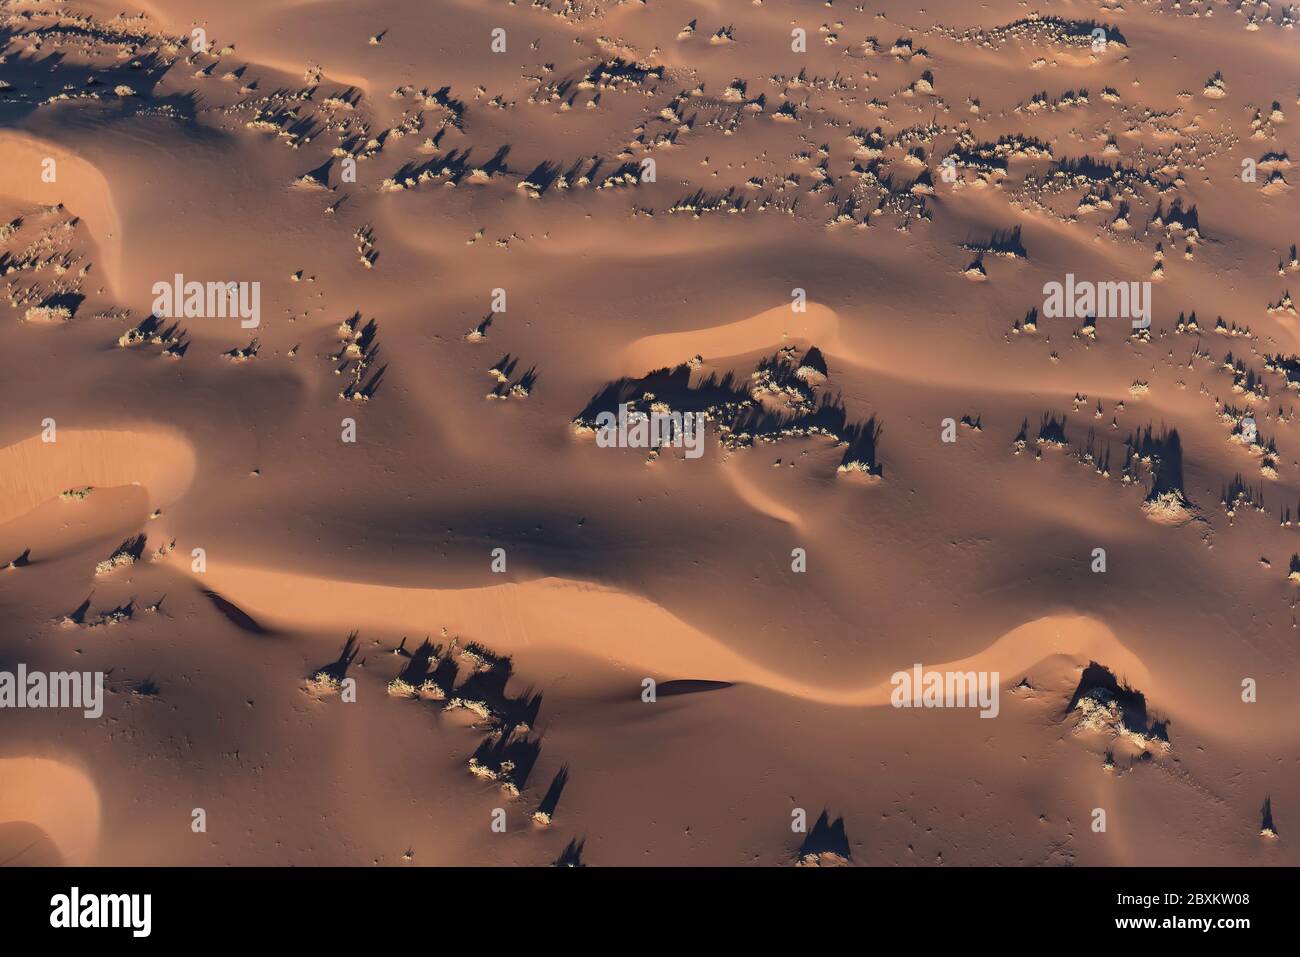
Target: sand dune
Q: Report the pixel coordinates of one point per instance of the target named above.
(572, 616)
(57, 798)
(33, 471)
(79, 186)
(772, 328)
(472, 231)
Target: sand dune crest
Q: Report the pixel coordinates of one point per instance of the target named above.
(33, 471)
(819, 325)
(556, 613)
(79, 186)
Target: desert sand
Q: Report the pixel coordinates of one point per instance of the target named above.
(365, 581)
